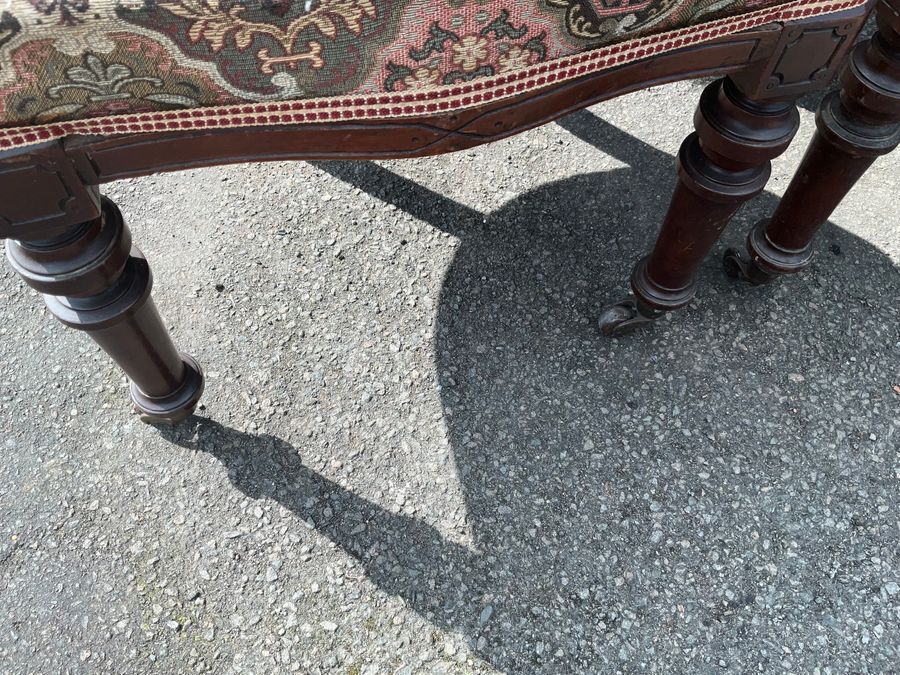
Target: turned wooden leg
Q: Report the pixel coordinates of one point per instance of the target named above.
(854, 127)
(725, 162)
(93, 279)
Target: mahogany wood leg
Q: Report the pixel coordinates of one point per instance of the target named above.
(725, 162)
(854, 127)
(93, 279)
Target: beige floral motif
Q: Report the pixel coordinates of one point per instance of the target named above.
(514, 59)
(470, 51)
(103, 81)
(422, 78)
(102, 86)
(213, 24)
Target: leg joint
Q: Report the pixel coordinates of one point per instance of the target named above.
(85, 260)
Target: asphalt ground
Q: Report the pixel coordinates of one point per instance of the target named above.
(416, 452)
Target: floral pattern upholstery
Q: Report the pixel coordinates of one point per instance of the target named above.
(117, 66)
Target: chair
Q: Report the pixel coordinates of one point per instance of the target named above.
(94, 90)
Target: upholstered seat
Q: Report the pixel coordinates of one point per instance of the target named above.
(110, 67)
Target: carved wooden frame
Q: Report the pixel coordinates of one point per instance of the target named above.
(769, 62)
(73, 246)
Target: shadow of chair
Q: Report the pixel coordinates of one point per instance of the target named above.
(624, 497)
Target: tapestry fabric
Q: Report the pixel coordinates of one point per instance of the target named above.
(129, 66)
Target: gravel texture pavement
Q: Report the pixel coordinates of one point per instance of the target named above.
(417, 453)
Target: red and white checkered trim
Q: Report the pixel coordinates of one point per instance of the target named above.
(420, 103)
